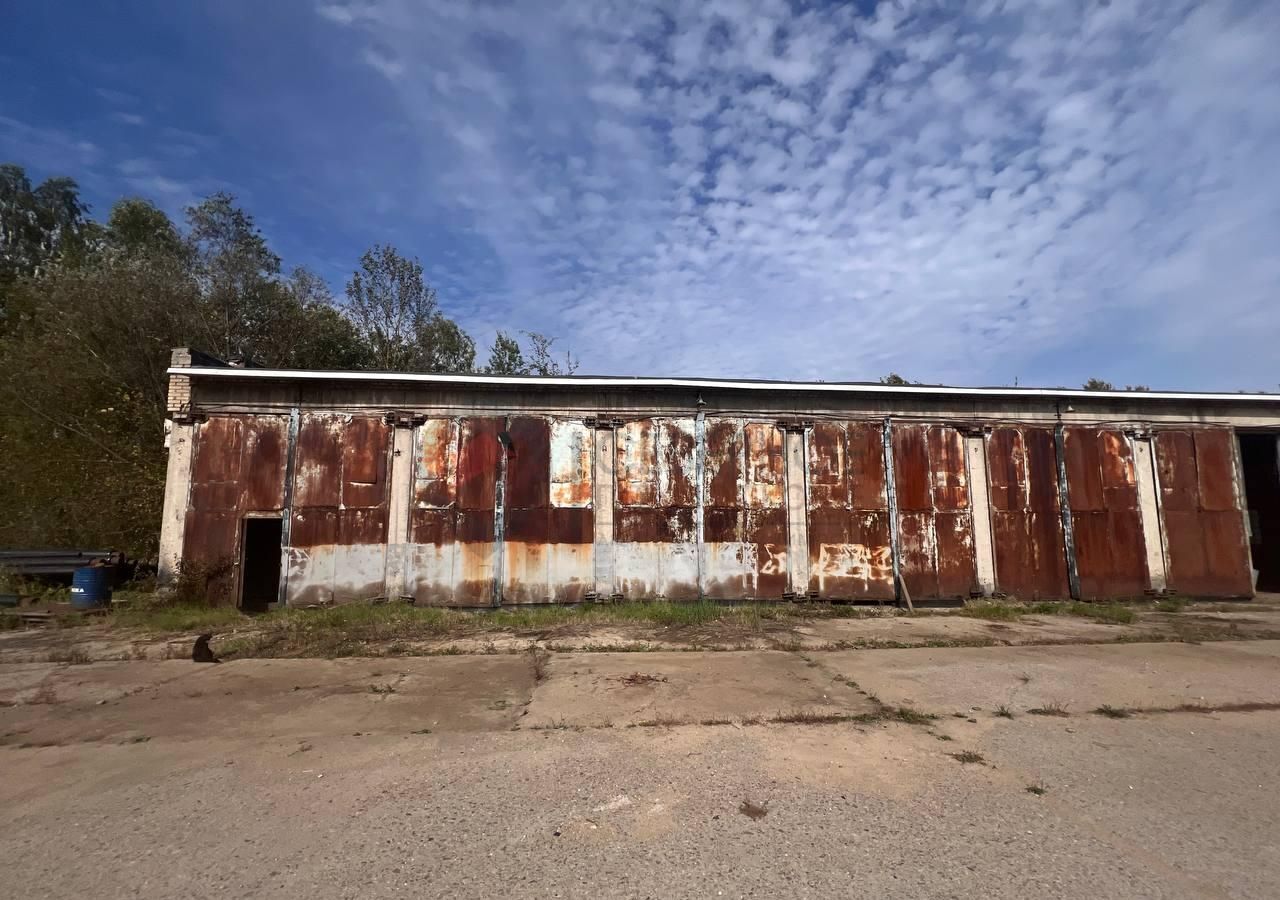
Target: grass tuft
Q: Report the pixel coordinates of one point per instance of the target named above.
(1053, 708)
(1004, 712)
(1113, 712)
(967, 756)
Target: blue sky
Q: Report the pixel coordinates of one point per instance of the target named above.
(1040, 191)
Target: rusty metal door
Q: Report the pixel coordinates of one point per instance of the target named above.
(338, 527)
(744, 554)
(935, 523)
(1205, 544)
(850, 552)
(451, 525)
(1026, 522)
(548, 528)
(238, 467)
(1102, 487)
(654, 521)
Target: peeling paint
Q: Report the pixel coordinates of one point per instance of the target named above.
(571, 467)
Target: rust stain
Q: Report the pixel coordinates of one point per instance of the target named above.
(317, 471)
(478, 451)
(1026, 527)
(571, 448)
(1111, 559)
(935, 524)
(528, 463)
(723, 467)
(1204, 529)
(637, 464)
(765, 466)
(913, 481)
(450, 560)
(850, 554)
(654, 551)
(828, 467)
(435, 473)
(677, 485)
(947, 466)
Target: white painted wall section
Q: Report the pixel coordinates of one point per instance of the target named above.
(975, 453)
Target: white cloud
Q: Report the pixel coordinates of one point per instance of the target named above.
(390, 67)
(1046, 190)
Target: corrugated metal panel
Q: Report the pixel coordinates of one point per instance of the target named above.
(850, 556)
(1203, 526)
(655, 541)
(339, 531)
(1103, 489)
(935, 523)
(1025, 516)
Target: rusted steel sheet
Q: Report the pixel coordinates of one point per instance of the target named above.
(1110, 551)
(655, 549)
(1203, 526)
(723, 552)
(1025, 516)
(238, 463)
(435, 471)
(850, 556)
(571, 466)
(211, 549)
(745, 520)
(935, 523)
(451, 525)
(636, 446)
(237, 468)
(548, 537)
(478, 452)
(338, 536)
(547, 550)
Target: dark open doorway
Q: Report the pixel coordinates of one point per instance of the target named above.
(1258, 458)
(260, 581)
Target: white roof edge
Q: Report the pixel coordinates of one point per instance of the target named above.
(693, 383)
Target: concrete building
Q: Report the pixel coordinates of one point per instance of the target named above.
(311, 487)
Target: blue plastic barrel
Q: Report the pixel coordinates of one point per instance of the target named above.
(90, 586)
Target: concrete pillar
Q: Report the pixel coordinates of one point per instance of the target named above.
(177, 497)
(797, 514)
(1149, 506)
(400, 507)
(602, 507)
(984, 553)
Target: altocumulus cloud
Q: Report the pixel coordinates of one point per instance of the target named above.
(1049, 189)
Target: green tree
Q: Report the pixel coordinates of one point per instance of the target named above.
(444, 347)
(37, 225)
(1097, 384)
(893, 378)
(89, 313)
(505, 357)
(237, 273)
(542, 361)
(399, 317)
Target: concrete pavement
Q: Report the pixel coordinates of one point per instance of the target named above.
(490, 775)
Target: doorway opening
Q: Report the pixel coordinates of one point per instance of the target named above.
(260, 578)
(1260, 460)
